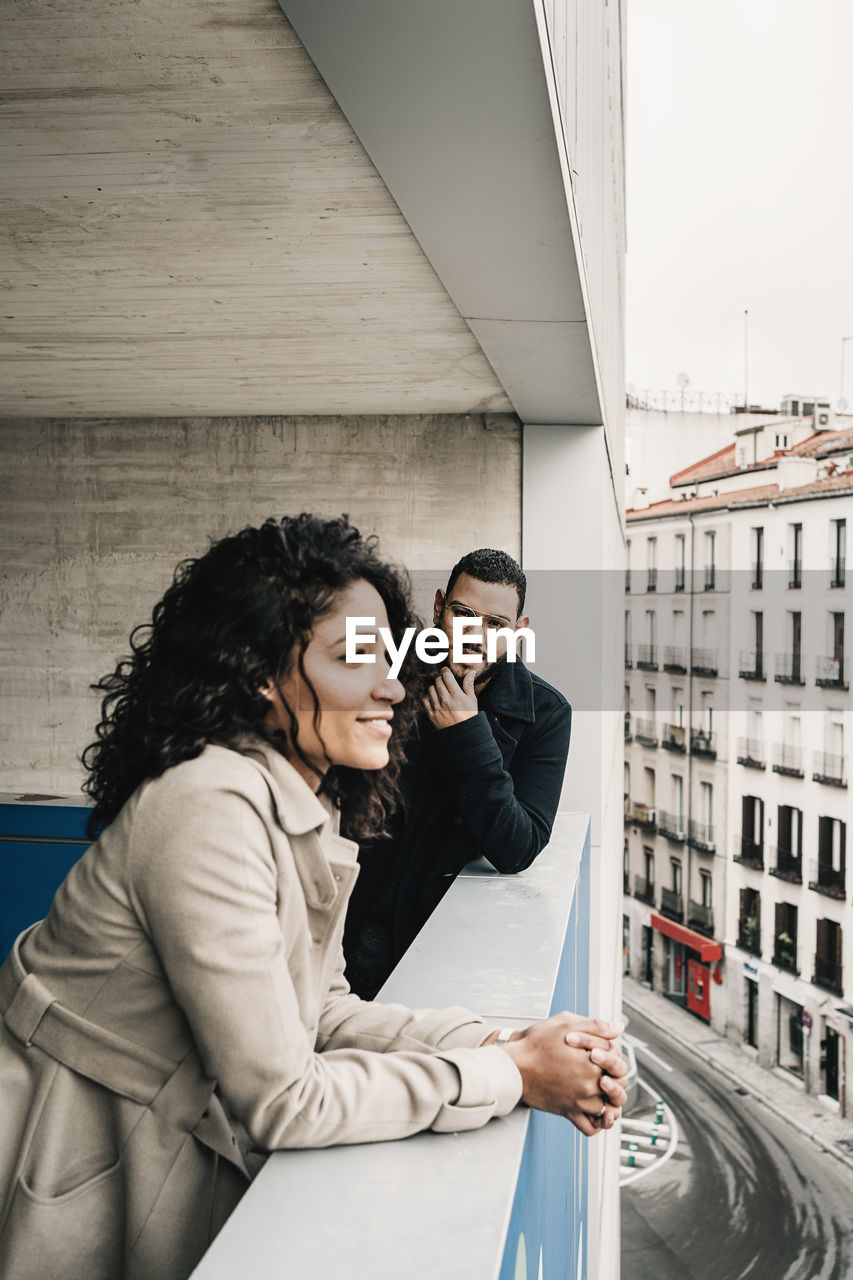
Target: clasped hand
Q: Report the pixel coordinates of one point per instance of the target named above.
(570, 1067)
(449, 702)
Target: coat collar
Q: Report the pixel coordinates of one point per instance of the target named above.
(510, 692)
(298, 808)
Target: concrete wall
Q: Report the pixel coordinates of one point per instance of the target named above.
(96, 514)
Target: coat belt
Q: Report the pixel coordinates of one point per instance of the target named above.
(34, 1016)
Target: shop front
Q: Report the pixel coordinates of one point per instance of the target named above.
(691, 964)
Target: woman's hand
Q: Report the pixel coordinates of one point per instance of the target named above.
(569, 1067)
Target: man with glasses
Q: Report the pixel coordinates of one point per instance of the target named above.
(482, 780)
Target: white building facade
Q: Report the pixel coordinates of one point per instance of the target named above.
(738, 723)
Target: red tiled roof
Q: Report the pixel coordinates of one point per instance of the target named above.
(741, 497)
(722, 460)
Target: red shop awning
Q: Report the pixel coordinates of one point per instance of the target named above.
(707, 948)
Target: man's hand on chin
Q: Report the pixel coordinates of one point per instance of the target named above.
(449, 702)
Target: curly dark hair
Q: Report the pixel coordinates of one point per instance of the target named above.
(233, 620)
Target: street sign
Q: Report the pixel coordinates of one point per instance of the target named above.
(806, 1018)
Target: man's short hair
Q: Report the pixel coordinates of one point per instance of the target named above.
(488, 565)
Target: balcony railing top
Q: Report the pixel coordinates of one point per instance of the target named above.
(701, 917)
(671, 904)
(785, 864)
(671, 825)
(788, 760)
(748, 852)
(647, 657)
(701, 835)
(645, 731)
(703, 742)
(751, 665)
(827, 879)
(830, 673)
(789, 668)
(828, 974)
(830, 769)
(644, 890)
(643, 814)
(674, 737)
(704, 662)
(675, 659)
(750, 752)
(785, 955)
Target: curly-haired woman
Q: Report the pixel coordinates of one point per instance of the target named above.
(182, 1010)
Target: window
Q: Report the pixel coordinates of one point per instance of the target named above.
(706, 791)
(652, 563)
(678, 800)
(708, 712)
(783, 440)
(626, 869)
(710, 562)
(676, 876)
(757, 558)
(649, 778)
(839, 552)
(680, 561)
(651, 701)
(795, 563)
(628, 565)
(649, 865)
(790, 836)
(706, 888)
(628, 645)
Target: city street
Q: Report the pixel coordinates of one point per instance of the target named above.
(740, 1195)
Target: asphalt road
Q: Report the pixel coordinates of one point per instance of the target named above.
(743, 1195)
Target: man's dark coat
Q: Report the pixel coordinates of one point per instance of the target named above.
(488, 787)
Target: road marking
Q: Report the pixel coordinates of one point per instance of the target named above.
(673, 1142)
(641, 1044)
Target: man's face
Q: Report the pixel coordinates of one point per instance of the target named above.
(494, 602)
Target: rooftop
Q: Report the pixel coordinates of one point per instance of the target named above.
(757, 496)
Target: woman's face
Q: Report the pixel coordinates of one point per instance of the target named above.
(356, 700)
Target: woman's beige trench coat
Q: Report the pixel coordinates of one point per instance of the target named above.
(182, 1010)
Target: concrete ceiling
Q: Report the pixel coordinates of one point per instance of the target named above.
(192, 227)
(455, 101)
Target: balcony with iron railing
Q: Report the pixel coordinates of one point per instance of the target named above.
(749, 935)
(748, 852)
(644, 890)
(704, 662)
(672, 826)
(785, 865)
(788, 760)
(750, 753)
(830, 672)
(826, 879)
(830, 769)
(647, 657)
(675, 659)
(671, 904)
(785, 953)
(674, 737)
(839, 572)
(645, 731)
(703, 742)
(751, 665)
(643, 815)
(828, 974)
(700, 917)
(789, 668)
(700, 835)
(795, 575)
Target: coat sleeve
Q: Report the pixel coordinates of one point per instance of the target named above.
(205, 886)
(509, 812)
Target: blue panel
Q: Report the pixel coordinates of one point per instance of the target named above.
(549, 1212)
(32, 869)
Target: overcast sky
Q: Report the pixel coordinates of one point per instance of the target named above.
(740, 195)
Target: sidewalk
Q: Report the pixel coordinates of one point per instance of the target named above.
(786, 1100)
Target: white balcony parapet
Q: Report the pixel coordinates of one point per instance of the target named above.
(460, 1206)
